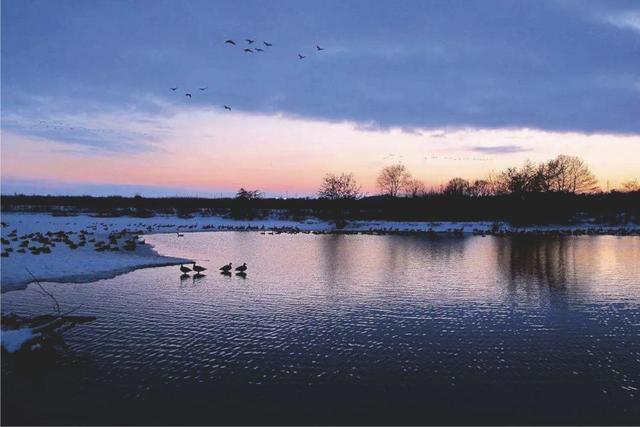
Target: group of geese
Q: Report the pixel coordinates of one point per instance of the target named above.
(249, 48)
(225, 270)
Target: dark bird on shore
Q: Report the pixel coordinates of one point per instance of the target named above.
(267, 44)
(249, 41)
(226, 107)
(301, 56)
(180, 234)
(173, 88)
(248, 50)
(242, 268)
(226, 268)
(230, 42)
(187, 94)
(319, 48)
(259, 50)
(204, 88)
(198, 268)
(184, 269)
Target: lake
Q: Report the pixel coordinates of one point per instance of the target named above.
(345, 329)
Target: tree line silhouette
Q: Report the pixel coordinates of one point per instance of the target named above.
(560, 191)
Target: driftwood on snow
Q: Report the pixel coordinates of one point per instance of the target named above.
(46, 328)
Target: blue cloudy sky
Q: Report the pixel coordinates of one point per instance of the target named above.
(88, 82)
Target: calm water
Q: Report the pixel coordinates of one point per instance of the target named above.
(348, 329)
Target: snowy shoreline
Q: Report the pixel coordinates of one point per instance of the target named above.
(86, 264)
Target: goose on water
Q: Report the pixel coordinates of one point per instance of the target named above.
(198, 268)
(242, 268)
(225, 268)
(184, 269)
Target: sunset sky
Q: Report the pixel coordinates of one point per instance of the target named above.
(448, 88)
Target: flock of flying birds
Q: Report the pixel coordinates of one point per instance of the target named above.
(247, 49)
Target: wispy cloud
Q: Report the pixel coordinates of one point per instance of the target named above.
(628, 20)
(500, 149)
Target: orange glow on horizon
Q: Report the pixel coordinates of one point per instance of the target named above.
(209, 151)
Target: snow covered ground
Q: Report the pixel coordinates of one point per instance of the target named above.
(13, 339)
(84, 263)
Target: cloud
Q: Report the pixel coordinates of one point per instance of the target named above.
(500, 149)
(629, 20)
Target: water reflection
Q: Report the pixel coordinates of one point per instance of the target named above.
(394, 324)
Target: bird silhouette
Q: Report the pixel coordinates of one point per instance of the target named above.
(226, 107)
(230, 42)
(174, 88)
(242, 268)
(198, 268)
(319, 48)
(249, 41)
(248, 50)
(301, 56)
(184, 269)
(187, 94)
(259, 50)
(268, 44)
(226, 268)
(203, 88)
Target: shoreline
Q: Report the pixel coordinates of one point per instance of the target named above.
(84, 264)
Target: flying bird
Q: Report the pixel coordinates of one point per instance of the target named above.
(174, 88)
(319, 48)
(248, 50)
(187, 94)
(301, 56)
(267, 44)
(249, 41)
(259, 50)
(226, 107)
(204, 88)
(230, 42)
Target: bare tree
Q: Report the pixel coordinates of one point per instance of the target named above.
(457, 187)
(248, 194)
(570, 174)
(526, 179)
(631, 185)
(480, 188)
(392, 179)
(414, 188)
(335, 187)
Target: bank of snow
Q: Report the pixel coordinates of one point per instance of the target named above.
(13, 339)
(83, 264)
(86, 264)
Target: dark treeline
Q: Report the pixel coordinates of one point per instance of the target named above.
(531, 208)
(560, 191)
